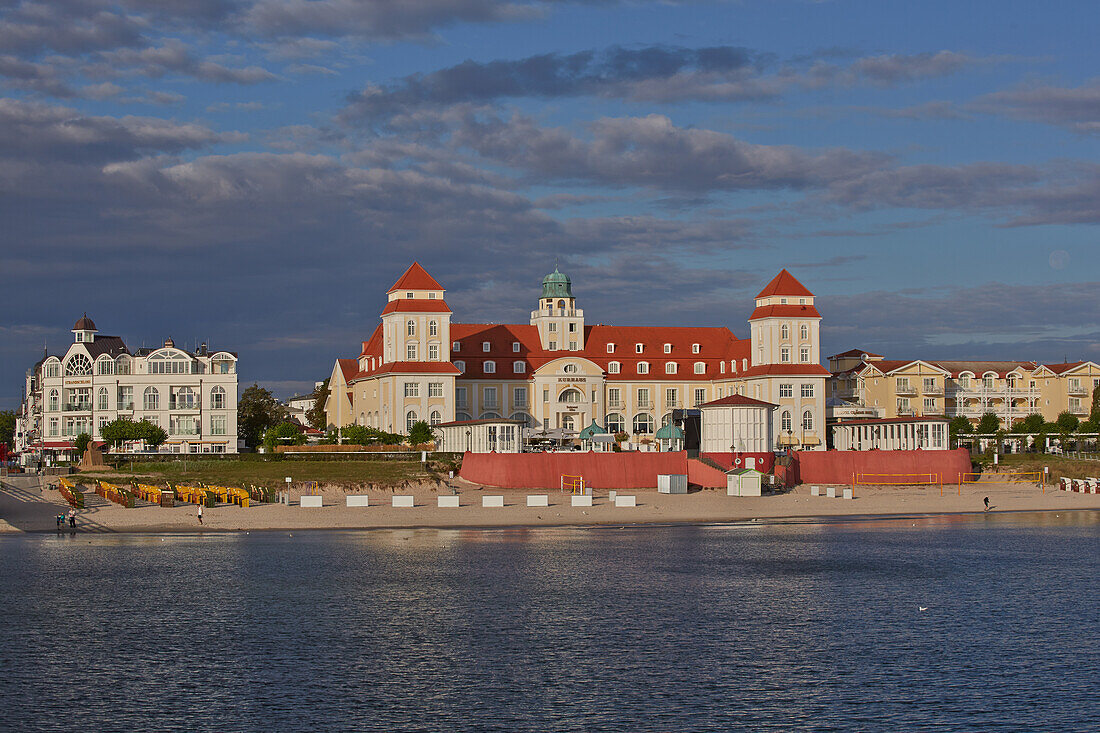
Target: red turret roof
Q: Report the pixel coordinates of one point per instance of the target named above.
(415, 278)
(784, 284)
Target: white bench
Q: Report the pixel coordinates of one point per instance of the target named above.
(848, 494)
(831, 492)
(492, 501)
(358, 500)
(815, 491)
(311, 501)
(612, 494)
(404, 502)
(626, 501)
(448, 502)
(580, 500)
(538, 500)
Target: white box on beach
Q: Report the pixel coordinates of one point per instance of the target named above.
(848, 494)
(580, 500)
(626, 501)
(404, 502)
(831, 492)
(492, 501)
(538, 500)
(358, 500)
(449, 502)
(672, 483)
(815, 491)
(311, 501)
(612, 494)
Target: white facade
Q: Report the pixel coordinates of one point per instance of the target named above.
(480, 436)
(192, 396)
(735, 424)
(892, 434)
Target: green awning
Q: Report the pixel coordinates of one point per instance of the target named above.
(591, 430)
(670, 432)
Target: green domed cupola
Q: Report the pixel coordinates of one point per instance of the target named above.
(557, 285)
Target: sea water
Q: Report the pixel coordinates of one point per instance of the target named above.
(798, 626)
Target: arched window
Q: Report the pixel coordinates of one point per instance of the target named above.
(55, 400)
(462, 417)
(569, 368)
(807, 420)
(613, 367)
(804, 331)
(184, 399)
(700, 367)
(104, 365)
(410, 420)
(411, 328)
(78, 366)
(522, 416)
(785, 421)
(217, 398)
(362, 419)
(643, 424)
(433, 328)
(670, 367)
(519, 367)
(561, 304)
(222, 364)
(614, 423)
(436, 417)
(169, 362)
(460, 366)
(150, 399)
(53, 368)
(784, 331)
(666, 419)
(643, 367)
(103, 399)
(570, 396)
(490, 416)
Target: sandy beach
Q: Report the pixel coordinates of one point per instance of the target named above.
(27, 508)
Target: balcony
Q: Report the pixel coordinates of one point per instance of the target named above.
(183, 405)
(932, 389)
(644, 404)
(125, 407)
(906, 389)
(1077, 390)
(614, 404)
(78, 406)
(673, 403)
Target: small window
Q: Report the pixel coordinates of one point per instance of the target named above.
(638, 348)
(433, 328)
(552, 328)
(643, 367)
(613, 367)
(807, 390)
(572, 327)
(410, 352)
(784, 332)
(570, 369)
(410, 328)
(490, 367)
(804, 331)
(668, 348)
(518, 367)
(412, 389)
(804, 354)
(515, 347)
(460, 366)
(485, 346)
(611, 348)
(670, 367)
(553, 346)
(786, 390)
(807, 420)
(433, 352)
(695, 348)
(408, 296)
(700, 368)
(431, 296)
(456, 346)
(782, 301)
(785, 354)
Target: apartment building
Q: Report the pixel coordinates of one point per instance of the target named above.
(1012, 390)
(192, 395)
(557, 372)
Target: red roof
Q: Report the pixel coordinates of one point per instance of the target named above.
(1063, 368)
(416, 306)
(737, 400)
(348, 367)
(784, 311)
(784, 284)
(410, 367)
(415, 278)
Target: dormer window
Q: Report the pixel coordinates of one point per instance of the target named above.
(408, 296)
(668, 348)
(611, 348)
(695, 348)
(518, 367)
(431, 296)
(802, 301)
(670, 367)
(700, 368)
(456, 346)
(490, 367)
(515, 347)
(485, 346)
(643, 367)
(638, 348)
(460, 366)
(782, 301)
(613, 367)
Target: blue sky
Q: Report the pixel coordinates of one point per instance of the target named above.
(256, 173)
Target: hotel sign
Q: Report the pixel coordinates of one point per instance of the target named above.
(71, 382)
(572, 379)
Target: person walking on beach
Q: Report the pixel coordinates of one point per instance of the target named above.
(60, 519)
(72, 519)
(986, 500)
(200, 513)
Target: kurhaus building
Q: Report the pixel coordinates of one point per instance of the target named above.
(193, 396)
(557, 372)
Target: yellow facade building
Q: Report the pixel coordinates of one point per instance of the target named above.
(1012, 390)
(557, 372)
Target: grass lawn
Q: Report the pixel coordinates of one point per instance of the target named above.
(1059, 465)
(267, 473)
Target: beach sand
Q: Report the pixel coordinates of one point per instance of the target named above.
(25, 507)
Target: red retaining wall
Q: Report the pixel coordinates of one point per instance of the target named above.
(627, 470)
(764, 461)
(837, 467)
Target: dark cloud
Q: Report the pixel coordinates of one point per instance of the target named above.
(891, 69)
(1075, 108)
(172, 57)
(67, 27)
(651, 151)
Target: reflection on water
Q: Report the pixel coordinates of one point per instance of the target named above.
(753, 627)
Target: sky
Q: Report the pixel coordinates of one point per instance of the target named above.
(256, 173)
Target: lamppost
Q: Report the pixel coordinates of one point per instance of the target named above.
(468, 434)
(790, 437)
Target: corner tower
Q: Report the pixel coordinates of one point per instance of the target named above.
(416, 322)
(560, 322)
(785, 327)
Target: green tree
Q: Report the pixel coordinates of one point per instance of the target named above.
(81, 443)
(257, 411)
(286, 433)
(1033, 423)
(119, 431)
(421, 432)
(7, 427)
(153, 435)
(315, 415)
(1094, 415)
(959, 425)
(988, 424)
(356, 435)
(1067, 422)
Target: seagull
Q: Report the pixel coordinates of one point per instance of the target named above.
(923, 608)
